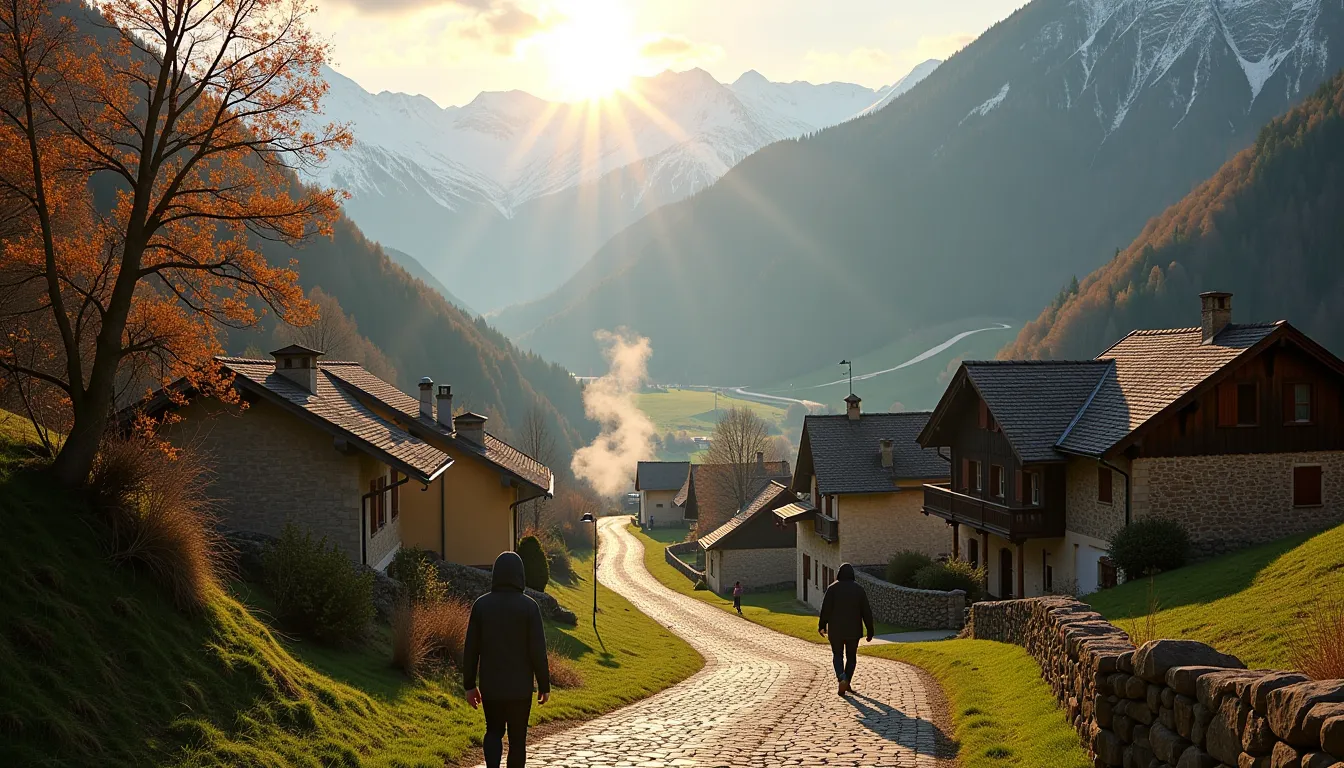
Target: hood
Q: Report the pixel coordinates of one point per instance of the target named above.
(507, 575)
(846, 572)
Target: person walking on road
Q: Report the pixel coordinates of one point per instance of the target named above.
(845, 617)
(506, 642)
(737, 598)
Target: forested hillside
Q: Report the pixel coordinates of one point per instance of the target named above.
(1269, 226)
(1027, 157)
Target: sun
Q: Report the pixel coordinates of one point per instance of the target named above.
(591, 52)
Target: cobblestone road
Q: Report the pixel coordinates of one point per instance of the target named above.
(763, 699)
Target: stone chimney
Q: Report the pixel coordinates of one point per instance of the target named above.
(426, 398)
(852, 406)
(760, 462)
(299, 365)
(1215, 313)
(470, 427)
(446, 407)
(885, 448)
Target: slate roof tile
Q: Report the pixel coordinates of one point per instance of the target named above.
(773, 495)
(1034, 401)
(846, 454)
(660, 475)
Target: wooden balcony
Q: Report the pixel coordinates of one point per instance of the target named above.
(826, 528)
(1013, 523)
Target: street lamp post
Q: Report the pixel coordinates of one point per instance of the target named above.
(588, 517)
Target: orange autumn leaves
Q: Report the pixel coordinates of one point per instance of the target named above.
(144, 155)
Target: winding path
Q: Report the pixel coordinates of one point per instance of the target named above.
(763, 699)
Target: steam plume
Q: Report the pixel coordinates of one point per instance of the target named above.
(626, 433)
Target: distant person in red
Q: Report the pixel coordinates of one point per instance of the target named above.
(506, 641)
(845, 617)
(737, 598)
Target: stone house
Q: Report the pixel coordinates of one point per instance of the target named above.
(658, 483)
(714, 487)
(1234, 430)
(861, 477)
(336, 450)
(753, 547)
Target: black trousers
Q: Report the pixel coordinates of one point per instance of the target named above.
(844, 667)
(502, 715)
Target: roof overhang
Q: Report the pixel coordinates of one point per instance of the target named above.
(795, 512)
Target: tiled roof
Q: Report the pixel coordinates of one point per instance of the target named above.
(846, 454)
(495, 451)
(1149, 370)
(770, 471)
(792, 513)
(1035, 401)
(772, 495)
(660, 475)
(339, 408)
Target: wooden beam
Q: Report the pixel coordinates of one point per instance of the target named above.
(956, 541)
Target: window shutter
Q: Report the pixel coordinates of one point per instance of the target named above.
(1104, 485)
(965, 474)
(373, 507)
(1289, 403)
(1227, 405)
(396, 496)
(984, 415)
(1017, 493)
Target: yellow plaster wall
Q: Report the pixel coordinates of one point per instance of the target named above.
(477, 521)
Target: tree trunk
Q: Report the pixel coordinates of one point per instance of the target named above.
(75, 460)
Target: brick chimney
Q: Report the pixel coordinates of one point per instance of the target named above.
(299, 365)
(470, 427)
(1215, 313)
(426, 398)
(445, 399)
(852, 406)
(885, 448)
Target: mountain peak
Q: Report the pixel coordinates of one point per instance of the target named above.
(750, 78)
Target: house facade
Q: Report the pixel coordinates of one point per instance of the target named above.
(717, 486)
(754, 546)
(337, 451)
(860, 480)
(1235, 431)
(658, 483)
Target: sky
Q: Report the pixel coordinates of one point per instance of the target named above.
(451, 50)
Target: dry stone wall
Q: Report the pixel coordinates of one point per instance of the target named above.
(913, 608)
(1171, 703)
(672, 552)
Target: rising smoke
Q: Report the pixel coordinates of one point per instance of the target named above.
(626, 437)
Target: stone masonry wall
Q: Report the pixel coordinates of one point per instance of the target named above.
(686, 547)
(875, 526)
(1171, 703)
(759, 570)
(913, 608)
(1229, 503)
(1086, 515)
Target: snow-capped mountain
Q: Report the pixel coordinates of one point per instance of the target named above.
(512, 184)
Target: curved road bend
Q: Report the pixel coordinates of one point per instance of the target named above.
(763, 699)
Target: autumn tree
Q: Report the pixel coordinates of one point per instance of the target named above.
(535, 439)
(190, 119)
(731, 475)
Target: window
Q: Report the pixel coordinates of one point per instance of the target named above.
(984, 415)
(396, 496)
(1104, 491)
(1034, 483)
(1298, 402)
(377, 505)
(973, 552)
(660, 506)
(1307, 486)
(1048, 574)
(1106, 573)
(996, 480)
(973, 480)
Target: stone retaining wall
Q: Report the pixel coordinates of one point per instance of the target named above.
(1171, 703)
(913, 608)
(671, 552)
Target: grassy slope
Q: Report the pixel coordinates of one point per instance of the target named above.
(779, 611)
(1246, 604)
(1002, 712)
(692, 410)
(98, 669)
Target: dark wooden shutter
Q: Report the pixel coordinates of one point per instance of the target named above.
(965, 474)
(396, 496)
(984, 415)
(373, 507)
(1104, 493)
(1227, 405)
(1248, 404)
(1019, 485)
(1289, 403)
(1306, 486)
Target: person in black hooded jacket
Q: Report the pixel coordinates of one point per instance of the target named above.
(506, 641)
(845, 617)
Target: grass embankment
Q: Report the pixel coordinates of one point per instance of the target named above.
(1248, 604)
(1002, 712)
(780, 611)
(692, 410)
(98, 668)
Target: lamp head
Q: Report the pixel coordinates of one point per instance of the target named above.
(587, 518)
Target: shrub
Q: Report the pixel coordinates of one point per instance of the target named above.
(562, 570)
(318, 592)
(902, 566)
(426, 636)
(418, 575)
(563, 673)
(158, 516)
(1317, 651)
(535, 570)
(954, 574)
(1149, 547)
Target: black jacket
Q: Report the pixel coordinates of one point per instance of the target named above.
(845, 613)
(505, 638)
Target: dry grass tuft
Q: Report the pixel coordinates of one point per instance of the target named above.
(1318, 650)
(563, 673)
(1143, 629)
(428, 635)
(159, 517)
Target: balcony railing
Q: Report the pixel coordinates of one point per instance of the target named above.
(827, 528)
(1009, 522)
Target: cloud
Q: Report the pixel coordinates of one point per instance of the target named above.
(866, 65)
(937, 47)
(676, 49)
(499, 24)
(627, 434)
